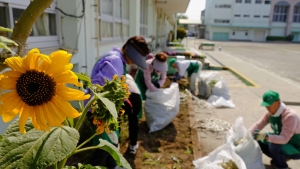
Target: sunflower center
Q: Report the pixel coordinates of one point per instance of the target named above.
(35, 88)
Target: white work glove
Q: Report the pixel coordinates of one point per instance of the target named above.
(259, 136)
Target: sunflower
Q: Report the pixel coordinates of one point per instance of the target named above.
(36, 86)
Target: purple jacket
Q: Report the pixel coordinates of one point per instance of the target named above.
(107, 66)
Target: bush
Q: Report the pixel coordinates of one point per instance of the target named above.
(181, 33)
(280, 38)
(290, 37)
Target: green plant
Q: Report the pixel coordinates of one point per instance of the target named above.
(181, 33)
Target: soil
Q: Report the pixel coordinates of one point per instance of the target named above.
(169, 148)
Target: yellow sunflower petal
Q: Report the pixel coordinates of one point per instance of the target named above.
(59, 59)
(30, 59)
(11, 73)
(40, 118)
(11, 110)
(9, 115)
(46, 115)
(67, 77)
(4, 98)
(8, 83)
(56, 113)
(65, 108)
(69, 94)
(15, 63)
(23, 119)
(33, 113)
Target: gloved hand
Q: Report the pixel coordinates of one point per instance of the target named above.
(157, 85)
(259, 136)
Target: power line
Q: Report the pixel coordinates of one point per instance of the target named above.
(74, 16)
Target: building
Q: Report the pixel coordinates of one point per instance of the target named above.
(251, 20)
(91, 32)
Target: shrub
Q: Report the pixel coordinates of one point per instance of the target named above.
(280, 38)
(181, 33)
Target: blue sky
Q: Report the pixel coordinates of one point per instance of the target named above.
(194, 9)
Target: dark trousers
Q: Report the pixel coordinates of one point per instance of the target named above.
(274, 152)
(132, 112)
(102, 157)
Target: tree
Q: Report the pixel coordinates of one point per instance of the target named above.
(23, 28)
(181, 16)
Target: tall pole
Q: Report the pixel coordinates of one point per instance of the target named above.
(175, 31)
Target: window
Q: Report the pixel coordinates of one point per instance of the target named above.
(256, 16)
(258, 1)
(114, 19)
(267, 2)
(143, 17)
(246, 16)
(266, 16)
(280, 13)
(233, 33)
(44, 26)
(223, 6)
(237, 16)
(238, 1)
(297, 13)
(246, 33)
(248, 1)
(3, 20)
(44, 31)
(221, 21)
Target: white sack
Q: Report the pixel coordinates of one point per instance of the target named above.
(161, 107)
(217, 101)
(220, 89)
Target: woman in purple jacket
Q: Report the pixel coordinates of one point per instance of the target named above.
(134, 51)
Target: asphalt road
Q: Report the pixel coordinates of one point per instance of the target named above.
(280, 58)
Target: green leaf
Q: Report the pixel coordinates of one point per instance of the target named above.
(4, 46)
(84, 78)
(35, 149)
(114, 152)
(8, 41)
(87, 166)
(5, 29)
(71, 121)
(109, 104)
(1, 138)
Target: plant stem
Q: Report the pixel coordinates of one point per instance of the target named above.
(85, 149)
(63, 163)
(66, 123)
(86, 109)
(55, 166)
(85, 141)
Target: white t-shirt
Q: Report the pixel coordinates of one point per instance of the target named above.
(131, 84)
(182, 66)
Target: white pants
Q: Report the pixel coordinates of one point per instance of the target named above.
(194, 78)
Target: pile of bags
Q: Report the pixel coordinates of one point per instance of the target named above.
(239, 148)
(214, 87)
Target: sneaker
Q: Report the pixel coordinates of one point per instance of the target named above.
(133, 149)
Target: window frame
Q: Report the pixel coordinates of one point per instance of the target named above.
(144, 18)
(258, 1)
(296, 16)
(248, 1)
(221, 21)
(113, 20)
(279, 16)
(34, 41)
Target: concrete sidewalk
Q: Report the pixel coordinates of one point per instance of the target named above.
(246, 99)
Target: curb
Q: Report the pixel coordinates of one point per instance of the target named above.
(240, 75)
(197, 151)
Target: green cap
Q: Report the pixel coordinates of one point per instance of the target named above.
(172, 61)
(269, 98)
